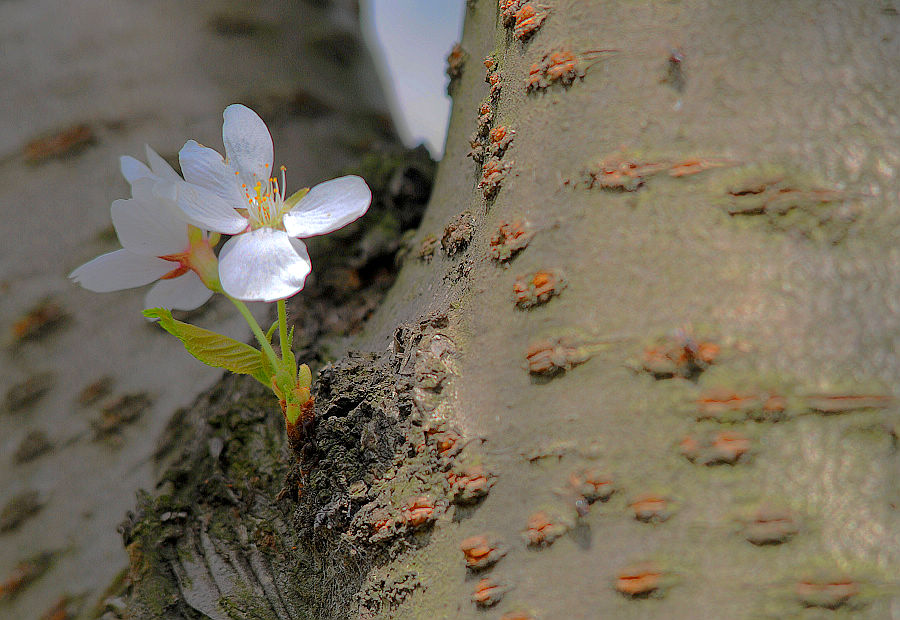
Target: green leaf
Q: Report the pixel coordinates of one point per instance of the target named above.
(215, 349)
(289, 354)
(271, 331)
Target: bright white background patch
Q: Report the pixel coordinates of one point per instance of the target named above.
(411, 40)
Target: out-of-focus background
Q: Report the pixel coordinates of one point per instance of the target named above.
(411, 39)
(88, 385)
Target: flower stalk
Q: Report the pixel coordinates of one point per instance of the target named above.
(171, 226)
(257, 331)
(290, 386)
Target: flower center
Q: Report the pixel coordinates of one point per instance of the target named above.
(265, 201)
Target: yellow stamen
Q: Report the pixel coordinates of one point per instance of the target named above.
(266, 201)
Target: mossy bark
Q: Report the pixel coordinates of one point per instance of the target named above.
(635, 179)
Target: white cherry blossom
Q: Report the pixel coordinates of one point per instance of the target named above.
(158, 244)
(239, 195)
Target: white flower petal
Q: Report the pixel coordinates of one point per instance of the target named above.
(205, 167)
(148, 225)
(120, 270)
(160, 166)
(186, 292)
(328, 206)
(248, 143)
(166, 192)
(300, 249)
(133, 169)
(208, 211)
(262, 265)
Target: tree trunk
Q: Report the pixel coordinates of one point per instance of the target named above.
(678, 393)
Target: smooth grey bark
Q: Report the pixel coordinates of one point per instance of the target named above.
(727, 177)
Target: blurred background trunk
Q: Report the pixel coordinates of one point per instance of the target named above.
(646, 348)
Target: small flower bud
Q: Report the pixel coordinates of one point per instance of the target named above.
(304, 376)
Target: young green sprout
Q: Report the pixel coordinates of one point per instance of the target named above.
(171, 225)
